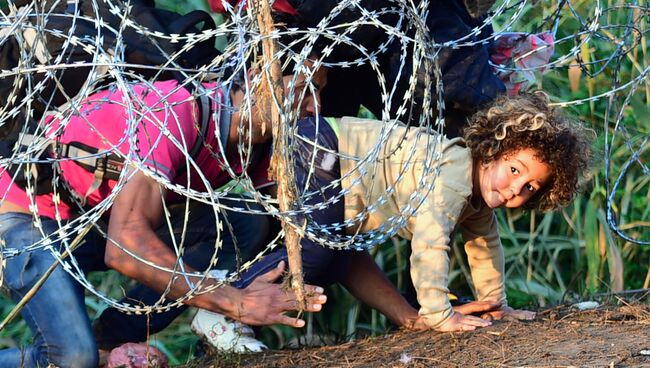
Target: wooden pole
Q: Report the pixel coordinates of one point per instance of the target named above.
(272, 89)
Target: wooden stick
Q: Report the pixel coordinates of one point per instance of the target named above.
(282, 173)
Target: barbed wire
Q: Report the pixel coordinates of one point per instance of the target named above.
(612, 36)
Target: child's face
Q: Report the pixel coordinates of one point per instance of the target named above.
(512, 180)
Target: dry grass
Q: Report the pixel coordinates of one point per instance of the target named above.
(612, 335)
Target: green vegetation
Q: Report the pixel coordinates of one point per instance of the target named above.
(551, 257)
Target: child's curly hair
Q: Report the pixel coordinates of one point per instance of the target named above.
(510, 124)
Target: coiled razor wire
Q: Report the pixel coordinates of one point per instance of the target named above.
(614, 36)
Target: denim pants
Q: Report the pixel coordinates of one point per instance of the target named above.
(321, 266)
(57, 316)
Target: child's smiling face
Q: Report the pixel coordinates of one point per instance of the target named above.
(511, 180)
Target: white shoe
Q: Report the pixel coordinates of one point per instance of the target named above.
(224, 333)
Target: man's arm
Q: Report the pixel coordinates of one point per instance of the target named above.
(136, 213)
(366, 281)
(486, 259)
(485, 255)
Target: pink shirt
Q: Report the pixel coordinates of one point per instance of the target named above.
(161, 113)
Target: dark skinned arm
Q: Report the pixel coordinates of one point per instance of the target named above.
(366, 281)
(135, 214)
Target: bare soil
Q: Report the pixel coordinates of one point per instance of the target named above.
(608, 336)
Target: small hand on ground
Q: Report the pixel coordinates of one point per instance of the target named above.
(508, 313)
(462, 319)
(418, 322)
(493, 311)
(461, 322)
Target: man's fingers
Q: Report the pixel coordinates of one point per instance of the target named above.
(315, 303)
(314, 292)
(267, 301)
(312, 304)
(313, 289)
(274, 274)
(291, 321)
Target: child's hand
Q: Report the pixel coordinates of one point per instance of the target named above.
(460, 322)
(508, 313)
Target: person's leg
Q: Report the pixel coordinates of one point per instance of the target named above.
(246, 239)
(56, 314)
(318, 168)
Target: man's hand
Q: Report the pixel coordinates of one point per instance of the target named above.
(508, 313)
(264, 303)
(135, 214)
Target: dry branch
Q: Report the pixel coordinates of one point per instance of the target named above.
(270, 101)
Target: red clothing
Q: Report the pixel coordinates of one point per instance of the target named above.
(166, 119)
(282, 6)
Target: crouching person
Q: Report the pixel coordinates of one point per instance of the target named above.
(147, 219)
(516, 152)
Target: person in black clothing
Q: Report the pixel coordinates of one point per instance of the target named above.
(467, 78)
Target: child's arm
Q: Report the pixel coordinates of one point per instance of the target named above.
(485, 255)
(486, 260)
(431, 229)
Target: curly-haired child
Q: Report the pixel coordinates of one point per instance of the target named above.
(516, 152)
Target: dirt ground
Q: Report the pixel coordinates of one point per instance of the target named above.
(608, 336)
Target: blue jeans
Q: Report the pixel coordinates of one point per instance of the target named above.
(57, 316)
(321, 266)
